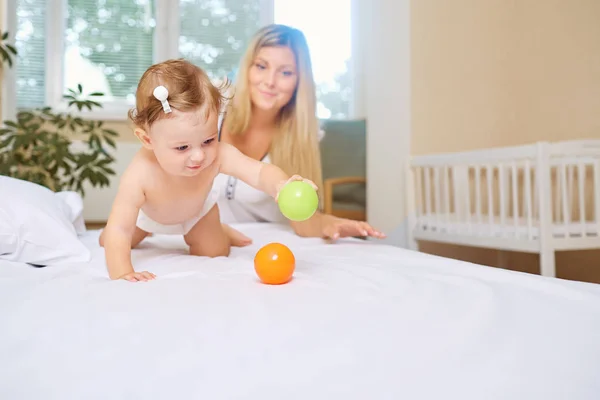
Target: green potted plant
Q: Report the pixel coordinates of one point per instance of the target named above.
(7, 51)
(40, 145)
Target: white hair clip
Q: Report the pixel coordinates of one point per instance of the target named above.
(161, 93)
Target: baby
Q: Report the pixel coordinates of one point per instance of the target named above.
(168, 187)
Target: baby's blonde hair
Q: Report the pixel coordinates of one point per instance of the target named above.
(189, 88)
(296, 148)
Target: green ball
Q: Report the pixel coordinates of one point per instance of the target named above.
(298, 201)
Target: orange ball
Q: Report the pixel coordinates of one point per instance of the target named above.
(274, 264)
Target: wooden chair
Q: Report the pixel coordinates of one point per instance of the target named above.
(342, 209)
(343, 158)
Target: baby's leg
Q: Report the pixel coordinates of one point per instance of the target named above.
(207, 237)
(137, 237)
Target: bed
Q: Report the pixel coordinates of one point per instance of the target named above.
(359, 320)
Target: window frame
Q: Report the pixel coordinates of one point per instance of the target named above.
(166, 46)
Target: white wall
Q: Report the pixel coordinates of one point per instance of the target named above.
(382, 48)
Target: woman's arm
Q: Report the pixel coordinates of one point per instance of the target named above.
(265, 177)
(312, 227)
(269, 178)
(331, 227)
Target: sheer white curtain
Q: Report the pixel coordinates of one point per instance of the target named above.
(327, 26)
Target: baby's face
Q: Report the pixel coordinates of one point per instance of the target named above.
(186, 143)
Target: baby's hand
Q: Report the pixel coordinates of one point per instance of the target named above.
(138, 276)
(292, 179)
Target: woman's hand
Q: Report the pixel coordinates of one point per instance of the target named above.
(335, 228)
(292, 179)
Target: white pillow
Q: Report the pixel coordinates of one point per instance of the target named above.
(74, 203)
(36, 226)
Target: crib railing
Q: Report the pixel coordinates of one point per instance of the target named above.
(514, 193)
(575, 177)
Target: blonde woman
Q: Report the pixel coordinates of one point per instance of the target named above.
(272, 117)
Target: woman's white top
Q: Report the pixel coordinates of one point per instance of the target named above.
(239, 202)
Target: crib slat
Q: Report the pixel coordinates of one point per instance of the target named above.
(467, 196)
(418, 171)
(515, 197)
(437, 196)
(570, 195)
(570, 191)
(446, 197)
(597, 195)
(456, 194)
(478, 194)
(557, 197)
(428, 196)
(528, 199)
(502, 195)
(535, 192)
(565, 203)
(490, 198)
(581, 183)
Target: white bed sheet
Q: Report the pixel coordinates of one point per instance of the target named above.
(359, 321)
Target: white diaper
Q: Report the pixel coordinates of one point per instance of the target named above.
(149, 225)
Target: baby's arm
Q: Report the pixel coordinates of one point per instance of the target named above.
(265, 177)
(121, 224)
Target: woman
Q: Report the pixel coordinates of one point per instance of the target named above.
(272, 117)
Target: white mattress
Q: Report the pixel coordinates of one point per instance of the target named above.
(359, 321)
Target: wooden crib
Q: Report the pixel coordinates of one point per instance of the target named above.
(537, 198)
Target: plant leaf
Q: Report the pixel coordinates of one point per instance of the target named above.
(110, 142)
(38, 146)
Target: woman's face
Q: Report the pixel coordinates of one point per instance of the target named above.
(272, 78)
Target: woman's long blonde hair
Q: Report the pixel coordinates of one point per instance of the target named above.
(295, 148)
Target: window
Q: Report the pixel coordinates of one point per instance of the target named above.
(103, 55)
(214, 34)
(30, 44)
(64, 43)
(328, 33)
(107, 44)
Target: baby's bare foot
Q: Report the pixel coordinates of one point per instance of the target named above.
(236, 237)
